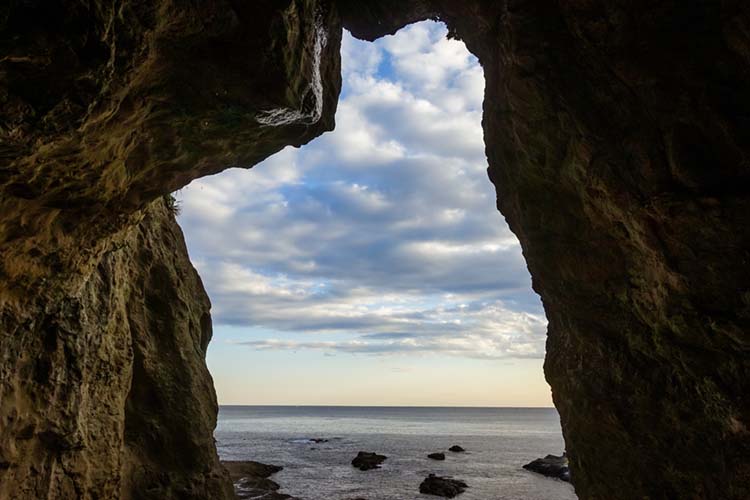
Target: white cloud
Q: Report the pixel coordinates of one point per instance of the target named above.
(383, 231)
(359, 57)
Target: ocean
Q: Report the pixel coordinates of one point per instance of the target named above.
(498, 441)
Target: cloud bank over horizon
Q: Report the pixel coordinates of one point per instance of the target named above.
(380, 238)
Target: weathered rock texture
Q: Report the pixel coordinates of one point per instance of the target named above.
(618, 138)
(108, 105)
(104, 390)
(104, 108)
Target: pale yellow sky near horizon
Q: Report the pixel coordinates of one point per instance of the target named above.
(248, 377)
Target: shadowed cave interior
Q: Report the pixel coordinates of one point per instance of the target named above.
(617, 141)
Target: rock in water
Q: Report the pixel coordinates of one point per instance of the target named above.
(251, 480)
(551, 466)
(366, 460)
(442, 486)
(436, 456)
(239, 469)
(456, 449)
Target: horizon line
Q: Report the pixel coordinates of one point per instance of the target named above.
(385, 406)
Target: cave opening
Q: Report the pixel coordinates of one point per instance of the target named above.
(617, 140)
(370, 268)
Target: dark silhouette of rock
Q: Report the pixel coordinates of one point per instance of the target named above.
(456, 449)
(247, 468)
(367, 460)
(318, 440)
(643, 270)
(251, 480)
(551, 466)
(437, 456)
(442, 486)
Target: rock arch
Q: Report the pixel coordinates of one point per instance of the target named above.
(617, 135)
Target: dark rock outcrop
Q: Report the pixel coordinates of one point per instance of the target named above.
(442, 486)
(251, 480)
(551, 466)
(618, 141)
(436, 456)
(456, 449)
(367, 460)
(243, 469)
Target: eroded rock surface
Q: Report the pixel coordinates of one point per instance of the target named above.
(105, 393)
(618, 140)
(105, 107)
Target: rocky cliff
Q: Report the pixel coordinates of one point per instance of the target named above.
(618, 138)
(104, 390)
(107, 107)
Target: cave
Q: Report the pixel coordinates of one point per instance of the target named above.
(617, 136)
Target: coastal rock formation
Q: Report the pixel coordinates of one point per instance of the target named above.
(104, 389)
(105, 108)
(551, 466)
(618, 141)
(456, 449)
(436, 456)
(367, 461)
(251, 480)
(442, 486)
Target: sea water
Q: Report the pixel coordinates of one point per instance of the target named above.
(498, 441)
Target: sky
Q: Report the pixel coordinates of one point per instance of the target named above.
(371, 267)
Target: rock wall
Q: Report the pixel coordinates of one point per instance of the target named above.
(105, 392)
(618, 137)
(109, 105)
(105, 107)
(626, 176)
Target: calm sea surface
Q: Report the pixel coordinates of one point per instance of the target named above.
(498, 442)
